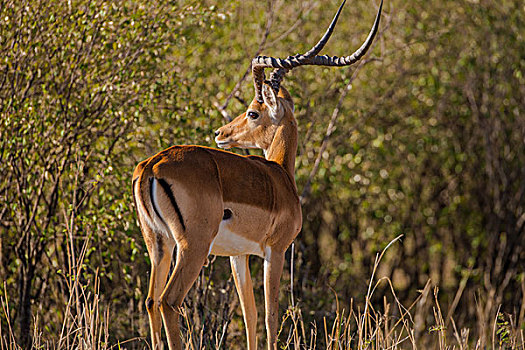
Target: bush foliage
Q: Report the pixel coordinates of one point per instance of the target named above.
(428, 141)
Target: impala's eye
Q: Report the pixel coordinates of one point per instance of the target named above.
(253, 115)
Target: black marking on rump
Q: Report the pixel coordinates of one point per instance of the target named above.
(155, 209)
(227, 214)
(167, 188)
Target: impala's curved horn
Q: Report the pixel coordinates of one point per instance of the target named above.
(309, 58)
(335, 61)
(276, 77)
(319, 46)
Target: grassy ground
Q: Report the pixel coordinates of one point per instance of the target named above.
(392, 325)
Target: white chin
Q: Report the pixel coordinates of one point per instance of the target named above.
(224, 145)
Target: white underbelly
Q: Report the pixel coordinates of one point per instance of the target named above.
(227, 243)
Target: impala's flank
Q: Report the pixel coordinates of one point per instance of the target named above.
(207, 201)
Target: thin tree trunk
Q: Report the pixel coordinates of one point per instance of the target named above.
(24, 308)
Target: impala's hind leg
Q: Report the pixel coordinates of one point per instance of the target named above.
(190, 259)
(160, 251)
(243, 282)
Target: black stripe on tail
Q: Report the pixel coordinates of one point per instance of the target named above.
(155, 209)
(167, 188)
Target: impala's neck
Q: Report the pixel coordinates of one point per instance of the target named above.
(284, 146)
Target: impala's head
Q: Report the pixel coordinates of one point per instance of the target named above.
(256, 127)
(272, 104)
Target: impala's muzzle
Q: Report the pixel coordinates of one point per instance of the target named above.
(223, 137)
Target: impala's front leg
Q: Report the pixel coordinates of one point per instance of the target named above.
(273, 268)
(243, 282)
(190, 259)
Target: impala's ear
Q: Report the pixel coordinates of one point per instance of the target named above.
(270, 100)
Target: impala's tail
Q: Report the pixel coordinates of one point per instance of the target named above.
(150, 201)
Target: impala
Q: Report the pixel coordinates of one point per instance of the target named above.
(208, 201)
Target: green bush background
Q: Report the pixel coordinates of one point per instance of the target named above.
(429, 143)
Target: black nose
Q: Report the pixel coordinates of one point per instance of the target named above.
(217, 133)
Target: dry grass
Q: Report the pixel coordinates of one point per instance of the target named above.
(388, 326)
